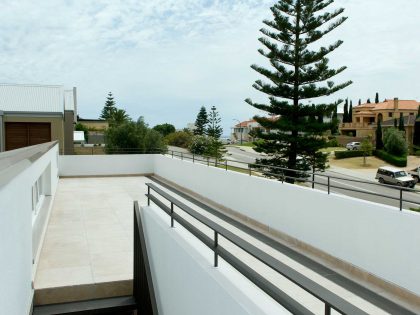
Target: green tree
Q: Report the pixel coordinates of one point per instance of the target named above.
(394, 142)
(368, 101)
(334, 121)
(401, 123)
(418, 112)
(395, 123)
(201, 122)
(299, 72)
(350, 118)
(366, 147)
(118, 117)
(346, 111)
(85, 129)
(133, 137)
(213, 128)
(379, 142)
(180, 139)
(360, 101)
(377, 98)
(109, 107)
(164, 129)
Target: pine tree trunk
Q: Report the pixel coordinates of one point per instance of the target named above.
(293, 144)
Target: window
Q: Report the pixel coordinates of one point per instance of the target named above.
(37, 194)
(389, 114)
(411, 114)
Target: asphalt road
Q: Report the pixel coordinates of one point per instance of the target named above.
(339, 183)
(345, 185)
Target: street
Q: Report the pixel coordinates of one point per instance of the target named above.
(339, 183)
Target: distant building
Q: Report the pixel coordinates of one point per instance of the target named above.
(34, 114)
(244, 130)
(366, 116)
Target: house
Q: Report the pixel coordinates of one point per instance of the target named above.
(32, 114)
(242, 132)
(366, 116)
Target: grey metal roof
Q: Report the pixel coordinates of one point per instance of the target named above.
(31, 98)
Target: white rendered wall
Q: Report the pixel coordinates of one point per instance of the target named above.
(17, 226)
(98, 165)
(185, 280)
(377, 238)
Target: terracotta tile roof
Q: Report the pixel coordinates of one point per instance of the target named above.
(389, 105)
(247, 122)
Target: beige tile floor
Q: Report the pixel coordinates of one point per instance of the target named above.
(89, 238)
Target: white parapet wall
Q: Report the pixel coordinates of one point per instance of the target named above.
(28, 180)
(106, 165)
(376, 238)
(185, 280)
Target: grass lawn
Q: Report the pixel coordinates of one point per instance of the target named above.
(245, 144)
(357, 162)
(332, 149)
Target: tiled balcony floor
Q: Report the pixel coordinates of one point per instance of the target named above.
(89, 238)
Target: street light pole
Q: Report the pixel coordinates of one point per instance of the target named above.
(240, 128)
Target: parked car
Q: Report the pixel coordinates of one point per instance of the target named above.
(395, 176)
(353, 146)
(415, 173)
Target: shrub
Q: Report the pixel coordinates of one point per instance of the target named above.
(133, 137)
(199, 145)
(180, 139)
(332, 143)
(400, 161)
(348, 154)
(394, 142)
(203, 145)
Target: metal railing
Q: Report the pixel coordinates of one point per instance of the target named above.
(330, 299)
(314, 179)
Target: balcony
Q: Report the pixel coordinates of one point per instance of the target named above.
(280, 248)
(355, 125)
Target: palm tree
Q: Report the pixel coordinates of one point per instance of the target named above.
(119, 116)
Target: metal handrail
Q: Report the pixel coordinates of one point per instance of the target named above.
(330, 299)
(305, 178)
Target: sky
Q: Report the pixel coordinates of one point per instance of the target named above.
(164, 59)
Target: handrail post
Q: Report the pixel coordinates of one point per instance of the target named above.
(327, 309)
(172, 214)
(328, 185)
(250, 171)
(226, 165)
(182, 156)
(401, 199)
(172, 154)
(313, 179)
(208, 161)
(216, 244)
(148, 195)
(215, 162)
(193, 158)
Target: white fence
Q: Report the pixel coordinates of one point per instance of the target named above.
(28, 181)
(376, 238)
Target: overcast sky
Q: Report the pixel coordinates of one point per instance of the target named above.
(163, 59)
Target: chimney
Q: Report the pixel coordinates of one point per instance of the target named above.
(395, 103)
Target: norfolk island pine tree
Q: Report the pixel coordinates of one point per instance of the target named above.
(297, 75)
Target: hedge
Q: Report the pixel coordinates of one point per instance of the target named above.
(348, 154)
(400, 161)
